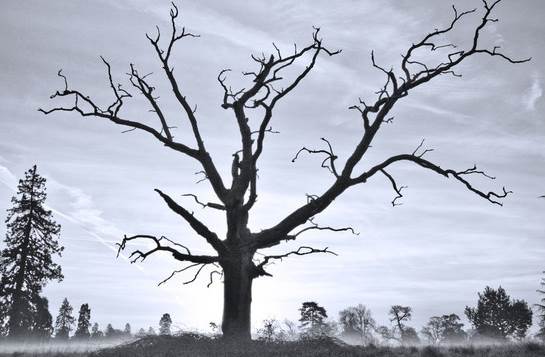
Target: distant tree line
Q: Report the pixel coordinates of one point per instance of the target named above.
(32, 241)
(496, 317)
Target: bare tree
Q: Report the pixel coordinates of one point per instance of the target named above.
(273, 80)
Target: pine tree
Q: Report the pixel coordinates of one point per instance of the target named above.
(64, 321)
(84, 321)
(95, 332)
(26, 264)
(127, 330)
(498, 317)
(151, 331)
(164, 325)
(312, 319)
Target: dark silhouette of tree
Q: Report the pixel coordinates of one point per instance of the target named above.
(312, 321)
(151, 331)
(43, 321)
(399, 331)
(113, 333)
(498, 317)
(164, 325)
(356, 321)
(541, 308)
(127, 330)
(444, 329)
(84, 322)
(96, 334)
(276, 77)
(26, 263)
(64, 321)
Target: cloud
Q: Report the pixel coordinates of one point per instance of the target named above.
(532, 94)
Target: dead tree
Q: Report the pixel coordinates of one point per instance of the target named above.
(234, 257)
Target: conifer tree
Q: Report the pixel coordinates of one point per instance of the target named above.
(164, 325)
(84, 321)
(26, 262)
(127, 330)
(95, 332)
(64, 321)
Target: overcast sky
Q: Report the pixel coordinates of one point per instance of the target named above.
(433, 253)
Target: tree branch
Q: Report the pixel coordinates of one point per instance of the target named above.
(198, 226)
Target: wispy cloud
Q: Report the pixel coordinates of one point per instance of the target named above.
(532, 95)
(83, 214)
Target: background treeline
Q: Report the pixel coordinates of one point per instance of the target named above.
(32, 242)
(496, 318)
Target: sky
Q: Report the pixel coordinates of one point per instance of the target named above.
(433, 253)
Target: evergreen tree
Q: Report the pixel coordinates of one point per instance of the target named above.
(84, 321)
(127, 330)
(498, 317)
(95, 332)
(110, 331)
(43, 321)
(26, 263)
(64, 321)
(312, 319)
(151, 331)
(141, 333)
(164, 324)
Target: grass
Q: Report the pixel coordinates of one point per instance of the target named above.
(197, 346)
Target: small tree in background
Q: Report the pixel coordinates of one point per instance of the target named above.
(26, 264)
(127, 330)
(270, 331)
(64, 321)
(498, 317)
(141, 333)
(313, 319)
(96, 334)
(433, 331)
(444, 329)
(151, 331)
(399, 332)
(357, 321)
(84, 321)
(164, 325)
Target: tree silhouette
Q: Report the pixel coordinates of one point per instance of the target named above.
(164, 325)
(84, 322)
(270, 330)
(444, 329)
(399, 332)
(276, 77)
(43, 321)
(64, 321)
(26, 264)
(357, 321)
(141, 333)
(151, 331)
(313, 319)
(96, 334)
(498, 317)
(127, 330)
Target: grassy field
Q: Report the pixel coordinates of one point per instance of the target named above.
(195, 346)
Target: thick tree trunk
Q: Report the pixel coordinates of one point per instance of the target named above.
(237, 298)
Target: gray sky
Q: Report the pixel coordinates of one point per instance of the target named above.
(434, 253)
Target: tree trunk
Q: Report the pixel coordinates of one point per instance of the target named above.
(237, 298)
